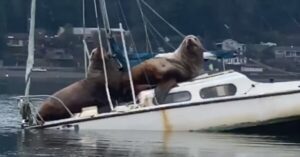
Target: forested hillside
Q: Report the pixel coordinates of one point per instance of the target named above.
(244, 20)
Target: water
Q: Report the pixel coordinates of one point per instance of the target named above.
(15, 142)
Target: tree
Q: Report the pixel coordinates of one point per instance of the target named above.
(2, 26)
(247, 21)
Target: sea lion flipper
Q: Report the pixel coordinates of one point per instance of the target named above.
(162, 89)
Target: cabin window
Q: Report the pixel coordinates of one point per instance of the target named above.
(218, 91)
(178, 97)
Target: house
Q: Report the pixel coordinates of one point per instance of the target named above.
(287, 52)
(232, 45)
(88, 31)
(16, 51)
(59, 57)
(239, 60)
(17, 39)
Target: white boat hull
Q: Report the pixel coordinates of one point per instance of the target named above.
(219, 114)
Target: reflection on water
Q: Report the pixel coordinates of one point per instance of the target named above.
(181, 144)
(15, 142)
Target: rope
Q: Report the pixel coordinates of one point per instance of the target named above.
(83, 39)
(159, 34)
(106, 24)
(25, 111)
(105, 16)
(157, 14)
(30, 58)
(118, 12)
(274, 69)
(103, 60)
(128, 64)
(86, 50)
(131, 36)
(156, 42)
(27, 108)
(148, 43)
(127, 26)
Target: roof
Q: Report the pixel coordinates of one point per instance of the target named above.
(23, 36)
(79, 30)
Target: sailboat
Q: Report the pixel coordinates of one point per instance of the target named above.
(220, 101)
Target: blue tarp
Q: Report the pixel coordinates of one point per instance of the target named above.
(138, 57)
(134, 59)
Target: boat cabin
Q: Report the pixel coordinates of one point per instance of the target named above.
(207, 87)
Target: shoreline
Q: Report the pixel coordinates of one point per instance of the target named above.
(12, 79)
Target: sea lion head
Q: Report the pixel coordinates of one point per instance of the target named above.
(96, 69)
(192, 45)
(191, 50)
(96, 62)
(190, 53)
(96, 55)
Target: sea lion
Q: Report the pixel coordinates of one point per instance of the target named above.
(184, 64)
(95, 68)
(86, 92)
(95, 64)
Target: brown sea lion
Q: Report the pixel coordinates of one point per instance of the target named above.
(86, 92)
(184, 64)
(95, 68)
(120, 80)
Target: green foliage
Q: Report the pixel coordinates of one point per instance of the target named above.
(2, 27)
(51, 14)
(246, 21)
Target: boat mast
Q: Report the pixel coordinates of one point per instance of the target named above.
(109, 36)
(148, 43)
(106, 23)
(86, 52)
(24, 102)
(103, 60)
(160, 17)
(30, 57)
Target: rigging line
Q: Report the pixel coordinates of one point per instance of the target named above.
(154, 38)
(127, 26)
(106, 23)
(159, 34)
(294, 20)
(128, 64)
(274, 69)
(159, 16)
(85, 53)
(105, 16)
(132, 40)
(30, 58)
(102, 55)
(83, 19)
(148, 43)
(119, 14)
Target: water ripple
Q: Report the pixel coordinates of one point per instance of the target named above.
(17, 142)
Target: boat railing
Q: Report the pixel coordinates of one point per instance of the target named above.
(29, 106)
